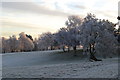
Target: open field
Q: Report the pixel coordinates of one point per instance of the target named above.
(56, 64)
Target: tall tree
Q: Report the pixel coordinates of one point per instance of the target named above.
(63, 38)
(73, 24)
(97, 36)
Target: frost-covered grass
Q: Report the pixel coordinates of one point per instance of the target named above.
(57, 64)
(83, 69)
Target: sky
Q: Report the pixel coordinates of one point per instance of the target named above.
(38, 16)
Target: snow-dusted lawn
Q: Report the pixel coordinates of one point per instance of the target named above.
(53, 65)
(27, 58)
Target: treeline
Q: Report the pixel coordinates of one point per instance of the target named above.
(95, 35)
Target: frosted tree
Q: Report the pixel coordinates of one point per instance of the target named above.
(13, 43)
(70, 36)
(73, 21)
(46, 40)
(106, 42)
(35, 42)
(9, 45)
(73, 24)
(63, 38)
(5, 45)
(74, 37)
(97, 36)
(25, 43)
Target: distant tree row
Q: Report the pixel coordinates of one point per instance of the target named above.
(95, 35)
(23, 43)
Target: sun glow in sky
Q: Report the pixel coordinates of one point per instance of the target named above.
(38, 16)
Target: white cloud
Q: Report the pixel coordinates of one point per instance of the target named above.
(50, 15)
(17, 0)
(31, 8)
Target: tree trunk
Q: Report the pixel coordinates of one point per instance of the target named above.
(92, 56)
(63, 48)
(74, 48)
(68, 48)
(51, 47)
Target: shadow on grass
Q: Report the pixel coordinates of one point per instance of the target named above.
(79, 55)
(68, 56)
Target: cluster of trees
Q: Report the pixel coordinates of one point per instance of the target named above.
(14, 44)
(95, 35)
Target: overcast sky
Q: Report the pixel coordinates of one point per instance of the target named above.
(38, 16)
